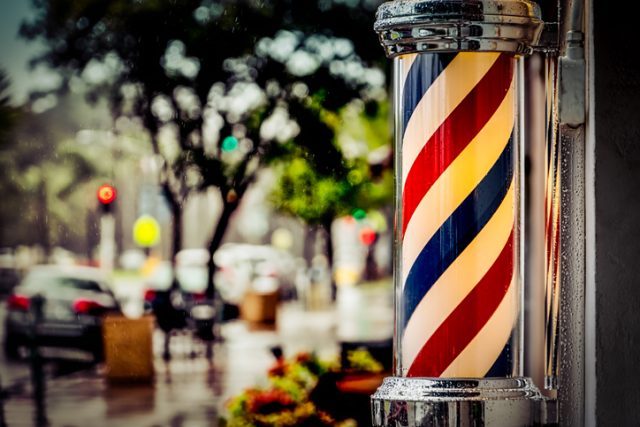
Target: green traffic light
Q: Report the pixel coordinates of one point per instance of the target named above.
(230, 143)
(359, 214)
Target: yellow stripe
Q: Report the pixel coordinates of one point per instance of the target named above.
(459, 279)
(549, 187)
(452, 85)
(479, 356)
(458, 181)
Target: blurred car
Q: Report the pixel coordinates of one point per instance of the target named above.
(192, 258)
(192, 285)
(241, 266)
(132, 259)
(74, 301)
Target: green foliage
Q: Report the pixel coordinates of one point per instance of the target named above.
(285, 402)
(143, 43)
(361, 360)
(287, 399)
(317, 194)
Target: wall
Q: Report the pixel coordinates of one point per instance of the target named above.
(617, 214)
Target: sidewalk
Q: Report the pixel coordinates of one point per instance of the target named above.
(187, 391)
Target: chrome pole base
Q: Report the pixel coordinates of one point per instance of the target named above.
(435, 402)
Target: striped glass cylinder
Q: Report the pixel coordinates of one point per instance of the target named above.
(458, 283)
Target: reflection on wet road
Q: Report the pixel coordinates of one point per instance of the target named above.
(189, 390)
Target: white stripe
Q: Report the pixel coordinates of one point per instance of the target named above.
(458, 181)
(478, 357)
(452, 85)
(458, 280)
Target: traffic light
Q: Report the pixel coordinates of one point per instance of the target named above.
(359, 214)
(106, 196)
(368, 236)
(229, 144)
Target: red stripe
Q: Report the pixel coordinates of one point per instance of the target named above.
(455, 133)
(549, 237)
(556, 242)
(468, 318)
(553, 261)
(551, 221)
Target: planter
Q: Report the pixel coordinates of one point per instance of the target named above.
(128, 348)
(360, 383)
(347, 394)
(259, 307)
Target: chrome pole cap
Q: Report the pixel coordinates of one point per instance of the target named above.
(409, 26)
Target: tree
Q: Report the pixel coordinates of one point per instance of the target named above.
(42, 177)
(364, 181)
(7, 112)
(207, 80)
(8, 117)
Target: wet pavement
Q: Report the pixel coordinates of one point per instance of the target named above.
(189, 390)
(181, 395)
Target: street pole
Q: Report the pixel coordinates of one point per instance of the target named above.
(107, 241)
(37, 371)
(3, 421)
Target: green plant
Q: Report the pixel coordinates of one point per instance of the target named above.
(285, 401)
(361, 360)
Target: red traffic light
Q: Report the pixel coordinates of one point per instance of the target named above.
(106, 194)
(368, 236)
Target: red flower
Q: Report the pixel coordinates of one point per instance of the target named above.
(303, 357)
(279, 369)
(268, 401)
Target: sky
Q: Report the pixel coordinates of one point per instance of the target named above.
(15, 53)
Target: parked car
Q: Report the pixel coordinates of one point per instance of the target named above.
(241, 265)
(74, 301)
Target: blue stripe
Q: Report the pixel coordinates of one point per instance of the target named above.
(424, 71)
(502, 367)
(458, 231)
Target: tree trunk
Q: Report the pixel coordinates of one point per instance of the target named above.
(326, 226)
(216, 241)
(176, 238)
(176, 226)
(370, 269)
(90, 235)
(43, 217)
(309, 243)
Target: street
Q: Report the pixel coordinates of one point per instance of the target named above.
(188, 390)
(183, 393)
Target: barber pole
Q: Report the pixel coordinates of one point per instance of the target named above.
(552, 231)
(458, 352)
(458, 214)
